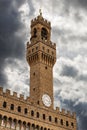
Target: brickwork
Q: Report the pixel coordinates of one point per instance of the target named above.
(17, 113)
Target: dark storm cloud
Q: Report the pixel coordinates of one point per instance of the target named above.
(78, 3)
(82, 3)
(11, 45)
(32, 10)
(69, 71)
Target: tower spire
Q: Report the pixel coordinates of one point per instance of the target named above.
(40, 12)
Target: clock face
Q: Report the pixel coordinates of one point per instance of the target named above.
(46, 100)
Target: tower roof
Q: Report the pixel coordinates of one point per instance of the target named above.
(41, 20)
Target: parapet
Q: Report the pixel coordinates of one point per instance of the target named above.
(65, 112)
(40, 19)
(8, 94)
(53, 45)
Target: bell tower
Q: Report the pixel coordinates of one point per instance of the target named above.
(41, 56)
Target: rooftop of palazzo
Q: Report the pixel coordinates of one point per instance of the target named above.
(20, 98)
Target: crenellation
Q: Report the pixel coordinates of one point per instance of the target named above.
(57, 109)
(15, 95)
(63, 111)
(28, 99)
(40, 19)
(68, 113)
(1, 90)
(53, 45)
(21, 97)
(74, 115)
(8, 92)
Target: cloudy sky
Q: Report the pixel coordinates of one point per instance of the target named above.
(69, 32)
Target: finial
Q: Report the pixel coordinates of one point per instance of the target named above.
(40, 12)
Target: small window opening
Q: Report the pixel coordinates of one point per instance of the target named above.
(34, 73)
(44, 33)
(56, 120)
(67, 124)
(25, 110)
(33, 89)
(38, 115)
(4, 104)
(61, 121)
(12, 107)
(32, 113)
(38, 102)
(35, 31)
(72, 124)
(19, 109)
(44, 116)
(46, 67)
(50, 119)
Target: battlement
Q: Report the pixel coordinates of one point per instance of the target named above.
(51, 44)
(40, 19)
(7, 93)
(66, 113)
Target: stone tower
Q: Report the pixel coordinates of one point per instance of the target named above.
(36, 112)
(41, 56)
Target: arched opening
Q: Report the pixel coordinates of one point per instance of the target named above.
(12, 107)
(25, 111)
(14, 122)
(61, 121)
(67, 123)
(9, 122)
(34, 32)
(33, 126)
(32, 113)
(19, 125)
(19, 109)
(4, 104)
(44, 33)
(4, 121)
(38, 115)
(41, 128)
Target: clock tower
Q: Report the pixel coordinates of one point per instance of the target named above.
(41, 56)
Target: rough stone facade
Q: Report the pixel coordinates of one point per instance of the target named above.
(37, 111)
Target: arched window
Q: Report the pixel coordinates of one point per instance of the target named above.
(34, 32)
(12, 107)
(19, 109)
(4, 104)
(38, 115)
(25, 111)
(44, 33)
(32, 113)
(50, 118)
(67, 124)
(44, 116)
(72, 124)
(61, 121)
(56, 120)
